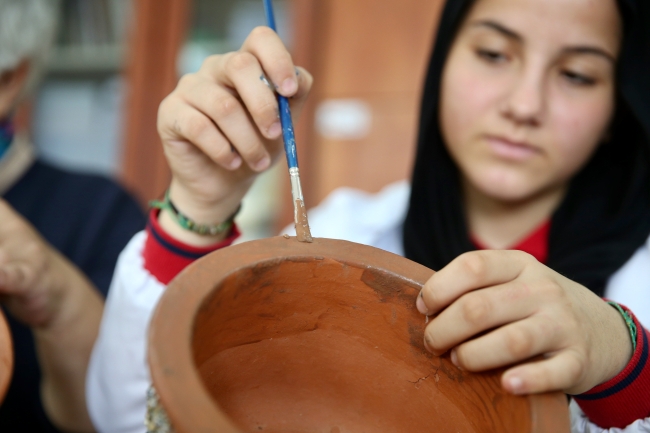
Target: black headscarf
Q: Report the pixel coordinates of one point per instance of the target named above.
(605, 215)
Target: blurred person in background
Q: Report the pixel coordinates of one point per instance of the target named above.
(60, 235)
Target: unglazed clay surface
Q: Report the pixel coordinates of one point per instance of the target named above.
(6, 356)
(282, 336)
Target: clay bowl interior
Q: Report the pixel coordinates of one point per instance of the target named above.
(6, 356)
(279, 336)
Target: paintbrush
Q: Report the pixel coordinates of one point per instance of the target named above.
(300, 212)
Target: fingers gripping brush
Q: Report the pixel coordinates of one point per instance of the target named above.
(300, 212)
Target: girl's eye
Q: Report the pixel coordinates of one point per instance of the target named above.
(491, 56)
(578, 79)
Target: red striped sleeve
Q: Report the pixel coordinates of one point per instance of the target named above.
(164, 257)
(625, 398)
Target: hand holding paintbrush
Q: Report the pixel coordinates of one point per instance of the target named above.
(220, 128)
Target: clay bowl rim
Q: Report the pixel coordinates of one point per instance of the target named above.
(170, 354)
(5, 336)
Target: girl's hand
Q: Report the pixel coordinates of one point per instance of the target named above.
(498, 308)
(220, 126)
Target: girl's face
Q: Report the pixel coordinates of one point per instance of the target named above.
(528, 92)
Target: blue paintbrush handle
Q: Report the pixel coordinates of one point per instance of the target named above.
(285, 111)
(287, 132)
(300, 212)
(270, 17)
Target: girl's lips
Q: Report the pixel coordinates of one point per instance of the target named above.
(511, 150)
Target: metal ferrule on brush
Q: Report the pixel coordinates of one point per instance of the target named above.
(296, 189)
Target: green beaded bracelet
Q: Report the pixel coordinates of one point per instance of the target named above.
(628, 321)
(190, 225)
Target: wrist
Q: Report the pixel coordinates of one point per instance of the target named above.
(173, 229)
(64, 344)
(203, 210)
(48, 311)
(621, 349)
(68, 290)
(623, 399)
(197, 223)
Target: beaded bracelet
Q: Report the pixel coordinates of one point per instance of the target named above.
(628, 321)
(190, 225)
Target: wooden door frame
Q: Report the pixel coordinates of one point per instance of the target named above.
(158, 33)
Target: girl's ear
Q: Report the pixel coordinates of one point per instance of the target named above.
(12, 83)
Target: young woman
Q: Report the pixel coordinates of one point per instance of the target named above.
(534, 136)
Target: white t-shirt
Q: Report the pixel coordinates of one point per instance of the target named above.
(118, 375)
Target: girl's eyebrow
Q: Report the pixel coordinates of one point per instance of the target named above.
(590, 50)
(511, 34)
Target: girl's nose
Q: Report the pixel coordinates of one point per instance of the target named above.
(526, 100)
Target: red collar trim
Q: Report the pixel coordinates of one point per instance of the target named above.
(535, 244)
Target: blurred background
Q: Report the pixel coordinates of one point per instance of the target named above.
(115, 60)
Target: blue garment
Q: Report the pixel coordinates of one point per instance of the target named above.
(89, 219)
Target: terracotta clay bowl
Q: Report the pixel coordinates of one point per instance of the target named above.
(6, 356)
(281, 336)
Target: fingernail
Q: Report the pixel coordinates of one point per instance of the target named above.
(275, 130)
(454, 359)
(516, 385)
(263, 163)
(429, 347)
(426, 344)
(289, 86)
(422, 308)
(235, 163)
